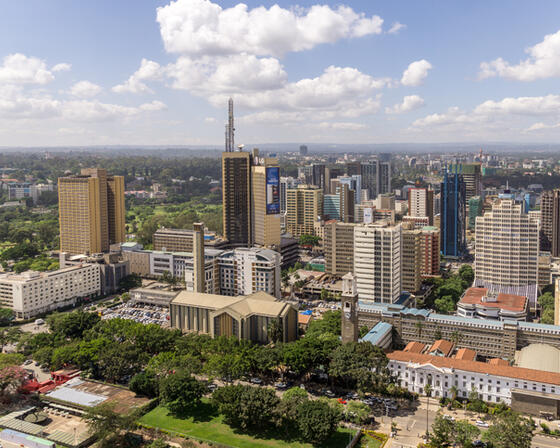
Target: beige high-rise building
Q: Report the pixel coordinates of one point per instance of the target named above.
(421, 204)
(91, 211)
(266, 203)
(304, 206)
(412, 245)
(339, 247)
(377, 261)
(507, 246)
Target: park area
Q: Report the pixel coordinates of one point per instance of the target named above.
(205, 424)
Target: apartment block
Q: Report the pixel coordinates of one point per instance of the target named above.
(236, 197)
(412, 255)
(421, 204)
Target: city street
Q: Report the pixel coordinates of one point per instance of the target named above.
(412, 427)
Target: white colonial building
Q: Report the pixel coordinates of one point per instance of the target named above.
(494, 381)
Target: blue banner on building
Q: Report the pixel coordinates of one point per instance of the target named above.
(272, 191)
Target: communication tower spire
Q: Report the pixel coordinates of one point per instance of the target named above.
(230, 129)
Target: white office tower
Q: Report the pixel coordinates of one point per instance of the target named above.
(506, 246)
(245, 271)
(377, 261)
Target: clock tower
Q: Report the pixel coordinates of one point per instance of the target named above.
(349, 299)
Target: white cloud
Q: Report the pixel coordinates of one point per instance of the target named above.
(528, 105)
(416, 72)
(148, 71)
(85, 89)
(16, 104)
(396, 27)
(342, 125)
(230, 74)
(542, 127)
(409, 103)
(210, 120)
(543, 62)
(20, 69)
(506, 114)
(62, 67)
(200, 27)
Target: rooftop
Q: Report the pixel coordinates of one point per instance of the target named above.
(466, 354)
(441, 346)
(414, 347)
(519, 373)
(481, 296)
(377, 333)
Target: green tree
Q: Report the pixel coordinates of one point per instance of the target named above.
(547, 316)
(6, 316)
(465, 433)
(316, 421)
(363, 330)
(144, 383)
(358, 412)
(107, 426)
(309, 240)
(467, 274)
(546, 301)
(510, 430)
(179, 391)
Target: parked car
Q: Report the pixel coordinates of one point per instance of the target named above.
(280, 386)
(481, 424)
(256, 380)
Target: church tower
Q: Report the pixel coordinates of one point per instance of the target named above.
(349, 299)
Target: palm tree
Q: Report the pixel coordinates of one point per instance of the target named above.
(454, 391)
(419, 325)
(456, 337)
(428, 392)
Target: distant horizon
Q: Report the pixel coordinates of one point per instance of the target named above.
(313, 148)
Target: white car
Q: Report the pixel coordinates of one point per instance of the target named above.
(481, 424)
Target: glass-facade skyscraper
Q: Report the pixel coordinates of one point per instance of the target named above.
(453, 199)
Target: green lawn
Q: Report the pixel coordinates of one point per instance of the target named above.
(204, 424)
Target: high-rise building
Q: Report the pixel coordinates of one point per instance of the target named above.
(339, 247)
(430, 252)
(377, 262)
(384, 177)
(472, 175)
(236, 198)
(303, 150)
(421, 203)
(245, 271)
(550, 222)
(265, 201)
(476, 205)
(411, 266)
(354, 183)
(320, 177)
(354, 168)
(452, 219)
(285, 184)
(304, 207)
(181, 240)
(91, 212)
(349, 326)
(507, 246)
(347, 202)
(369, 178)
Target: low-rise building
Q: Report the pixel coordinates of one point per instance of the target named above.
(481, 303)
(31, 293)
(526, 390)
(251, 317)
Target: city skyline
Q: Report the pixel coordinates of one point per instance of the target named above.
(315, 72)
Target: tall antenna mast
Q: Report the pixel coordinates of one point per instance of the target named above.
(230, 129)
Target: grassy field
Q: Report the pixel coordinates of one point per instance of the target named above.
(205, 425)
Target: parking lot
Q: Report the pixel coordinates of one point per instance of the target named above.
(143, 313)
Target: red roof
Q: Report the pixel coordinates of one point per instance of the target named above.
(510, 302)
(465, 353)
(508, 371)
(498, 362)
(443, 346)
(414, 347)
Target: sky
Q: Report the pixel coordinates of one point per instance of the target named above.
(139, 72)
